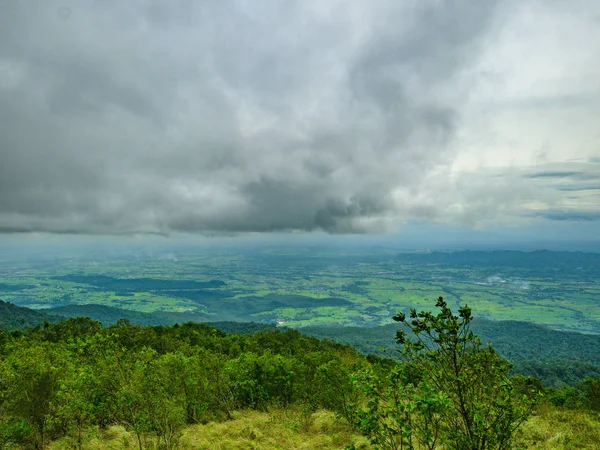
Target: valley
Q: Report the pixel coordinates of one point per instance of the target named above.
(300, 286)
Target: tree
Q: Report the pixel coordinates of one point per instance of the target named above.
(591, 388)
(75, 399)
(399, 414)
(31, 380)
(454, 391)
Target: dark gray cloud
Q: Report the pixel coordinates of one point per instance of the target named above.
(230, 116)
(590, 174)
(555, 175)
(200, 116)
(571, 215)
(579, 187)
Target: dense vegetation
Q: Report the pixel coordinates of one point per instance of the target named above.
(557, 358)
(59, 381)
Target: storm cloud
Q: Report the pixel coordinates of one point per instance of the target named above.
(146, 116)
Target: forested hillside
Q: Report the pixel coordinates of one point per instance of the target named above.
(557, 358)
(60, 379)
(12, 317)
(109, 315)
(75, 384)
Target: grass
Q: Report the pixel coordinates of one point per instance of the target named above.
(277, 430)
(550, 428)
(558, 429)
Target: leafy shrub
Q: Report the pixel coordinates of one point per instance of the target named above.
(451, 390)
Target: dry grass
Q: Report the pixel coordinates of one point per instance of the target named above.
(277, 430)
(557, 429)
(280, 429)
(550, 429)
(113, 438)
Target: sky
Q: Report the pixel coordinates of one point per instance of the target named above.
(230, 117)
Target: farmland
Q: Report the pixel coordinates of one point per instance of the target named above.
(302, 286)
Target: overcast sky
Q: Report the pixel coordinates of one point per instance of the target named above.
(151, 116)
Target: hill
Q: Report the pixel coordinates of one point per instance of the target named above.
(192, 386)
(109, 315)
(13, 317)
(556, 357)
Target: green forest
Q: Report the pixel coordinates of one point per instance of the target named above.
(78, 384)
(558, 358)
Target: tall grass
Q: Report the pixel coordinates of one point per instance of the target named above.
(550, 428)
(278, 429)
(554, 428)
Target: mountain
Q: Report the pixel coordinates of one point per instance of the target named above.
(13, 317)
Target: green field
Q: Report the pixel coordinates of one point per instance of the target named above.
(308, 286)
